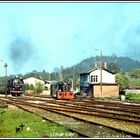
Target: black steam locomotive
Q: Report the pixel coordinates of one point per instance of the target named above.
(15, 86)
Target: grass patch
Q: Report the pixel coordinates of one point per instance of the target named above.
(34, 126)
(133, 97)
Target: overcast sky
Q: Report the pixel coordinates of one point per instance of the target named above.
(43, 36)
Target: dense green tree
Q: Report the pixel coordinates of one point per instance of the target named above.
(39, 87)
(113, 67)
(31, 87)
(135, 73)
(26, 86)
(122, 80)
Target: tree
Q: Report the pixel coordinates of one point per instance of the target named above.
(39, 87)
(26, 86)
(113, 67)
(135, 73)
(32, 87)
(122, 80)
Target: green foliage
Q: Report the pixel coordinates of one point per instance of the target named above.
(135, 81)
(135, 73)
(31, 87)
(26, 86)
(123, 80)
(76, 83)
(133, 97)
(113, 67)
(39, 87)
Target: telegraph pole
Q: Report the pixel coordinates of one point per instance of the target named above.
(61, 74)
(73, 78)
(5, 65)
(101, 91)
(101, 75)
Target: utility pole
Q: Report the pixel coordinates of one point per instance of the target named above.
(5, 65)
(101, 91)
(72, 84)
(73, 78)
(61, 74)
(101, 75)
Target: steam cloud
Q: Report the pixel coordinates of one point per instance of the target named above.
(20, 52)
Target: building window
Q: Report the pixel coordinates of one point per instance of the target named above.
(94, 78)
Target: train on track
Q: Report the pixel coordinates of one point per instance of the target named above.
(13, 86)
(61, 90)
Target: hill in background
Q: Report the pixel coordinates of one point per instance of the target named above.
(125, 64)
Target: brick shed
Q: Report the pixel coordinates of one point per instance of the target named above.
(108, 90)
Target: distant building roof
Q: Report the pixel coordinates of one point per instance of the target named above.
(134, 87)
(33, 80)
(96, 69)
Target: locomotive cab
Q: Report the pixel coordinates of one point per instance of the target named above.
(63, 86)
(61, 90)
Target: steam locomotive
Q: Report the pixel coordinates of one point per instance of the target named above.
(61, 90)
(15, 86)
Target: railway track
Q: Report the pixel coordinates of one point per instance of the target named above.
(91, 109)
(127, 113)
(85, 114)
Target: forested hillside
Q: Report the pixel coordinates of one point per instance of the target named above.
(113, 63)
(125, 64)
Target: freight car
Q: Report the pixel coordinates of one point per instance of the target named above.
(61, 90)
(15, 86)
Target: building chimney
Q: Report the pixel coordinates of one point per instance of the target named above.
(105, 65)
(95, 65)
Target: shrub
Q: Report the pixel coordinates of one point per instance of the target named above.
(39, 87)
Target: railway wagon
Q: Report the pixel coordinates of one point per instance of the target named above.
(2, 88)
(15, 86)
(61, 90)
